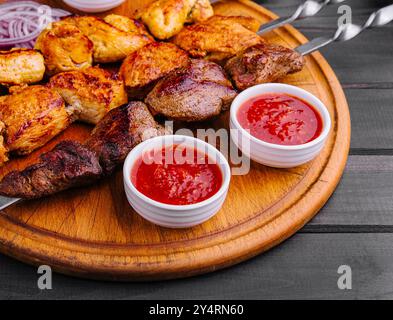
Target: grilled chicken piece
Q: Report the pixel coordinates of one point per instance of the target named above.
(194, 93)
(141, 69)
(32, 116)
(110, 44)
(201, 11)
(90, 93)
(21, 66)
(120, 131)
(219, 37)
(69, 164)
(127, 25)
(263, 63)
(65, 48)
(165, 18)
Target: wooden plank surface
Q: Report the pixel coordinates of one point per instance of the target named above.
(354, 226)
(305, 266)
(371, 117)
(363, 200)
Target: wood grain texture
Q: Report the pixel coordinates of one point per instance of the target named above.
(94, 233)
(363, 200)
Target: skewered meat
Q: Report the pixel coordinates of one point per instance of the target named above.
(21, 66)
(127, 25)
(141, 69)
(90, 93)
(194, 93)
(219, 37)
(65, 48)
(68, 164)
(110, 44)
(71, 164)
(165, 18)
(120, 131)
(32, 116)
(262, 63)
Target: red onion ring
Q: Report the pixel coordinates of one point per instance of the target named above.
(21, 22)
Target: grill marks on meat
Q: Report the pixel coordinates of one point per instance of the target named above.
(90, 92)
(141, 69)
(219, 37)
(68, 164)
(211, 92)
(71, 164)
(32, 116)
(263, 63)
(21, 66)
(120, 131)
(165, 18)
(65, 48)
(111, 43)
(196, 91)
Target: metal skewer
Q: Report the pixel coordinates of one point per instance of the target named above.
(306, 9)
(344, 33)
(6, 202)
(349, 31)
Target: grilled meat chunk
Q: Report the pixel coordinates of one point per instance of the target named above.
(69, 164)
(194, 93)
(32, 116)
(110, 44)
(120, 131)
(21, 66)
(65, 48)
(90, 93)
(141, 69)
(262, 63)
(127, 25)
(219, 37)
(165, 18)
(201, 11)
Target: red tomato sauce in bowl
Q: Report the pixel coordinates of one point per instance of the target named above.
(176, 175)
(280, 118)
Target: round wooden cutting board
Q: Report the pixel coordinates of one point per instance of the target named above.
(93, 232)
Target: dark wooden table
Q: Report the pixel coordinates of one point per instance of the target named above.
(354, 228)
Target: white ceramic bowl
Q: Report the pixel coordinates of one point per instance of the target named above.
(274, 155)
(175, 216)
(93, 6)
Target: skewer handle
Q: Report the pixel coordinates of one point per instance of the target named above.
(349, 31)
(307, 9)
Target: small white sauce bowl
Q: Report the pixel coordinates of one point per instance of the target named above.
(275, 155)
(93, 6)
(168, 215)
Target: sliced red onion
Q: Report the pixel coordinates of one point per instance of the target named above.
(21, 22)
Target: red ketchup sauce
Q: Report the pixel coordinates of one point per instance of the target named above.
(176, 175)
(280, 118)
